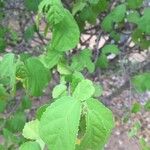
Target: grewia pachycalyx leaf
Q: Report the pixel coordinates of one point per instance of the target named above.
(58, 126)
(53, 9)
(138, 36)
(110, 48)
(37, 76)
(64, 27)
(65, 33)
(3, 98)
(51, 58)
(8, 69)
(59, 90)
(133, 17)
(16, 122)
(32, 5)
(30, 146)
(115, 16)
(83, 60)
(31, 130)
(79, 5)
(90, 9)
(144, 22)
(134, 4)
(84, 90)
(3, 93)
(107, 49)
(59, 123)
(99, 124)
(141, 82)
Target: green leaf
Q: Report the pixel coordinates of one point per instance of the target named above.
(107, 49)
(51, 58)
(84, 90)
(8, 68)
(88, 14)
(90, 9)
(107, 23)
(83, 60)
(41, 110)
(2, 147)
(14, 36)
(32, 127)
(110, 49)
(24, 56)
(101, 6)
(30, 146)
(37, 76)
(142, 82)
(144, 22)
(144, 145)
(147, 105)
(140, 39)
(93, 1)
(26, 102)
(31, 130)
(10, 137)
(135, 129)
(116, 15)
(3, 105)
(2, 31)
(78, 6)
(3, 93)
(21, 71)
(59, 124)
(133, 17)
(75, 79)
(115, 35)
(136, 107)
(59, 90)
(65, 34)
(99, 125)
(98, 90)
(54, 11)
(29, 32)
(63, 68)
(16, 122)
(2, 44)
(32, 5)
(3, 98)
(134, 4)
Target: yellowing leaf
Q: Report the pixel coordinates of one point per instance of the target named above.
(31, 130)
